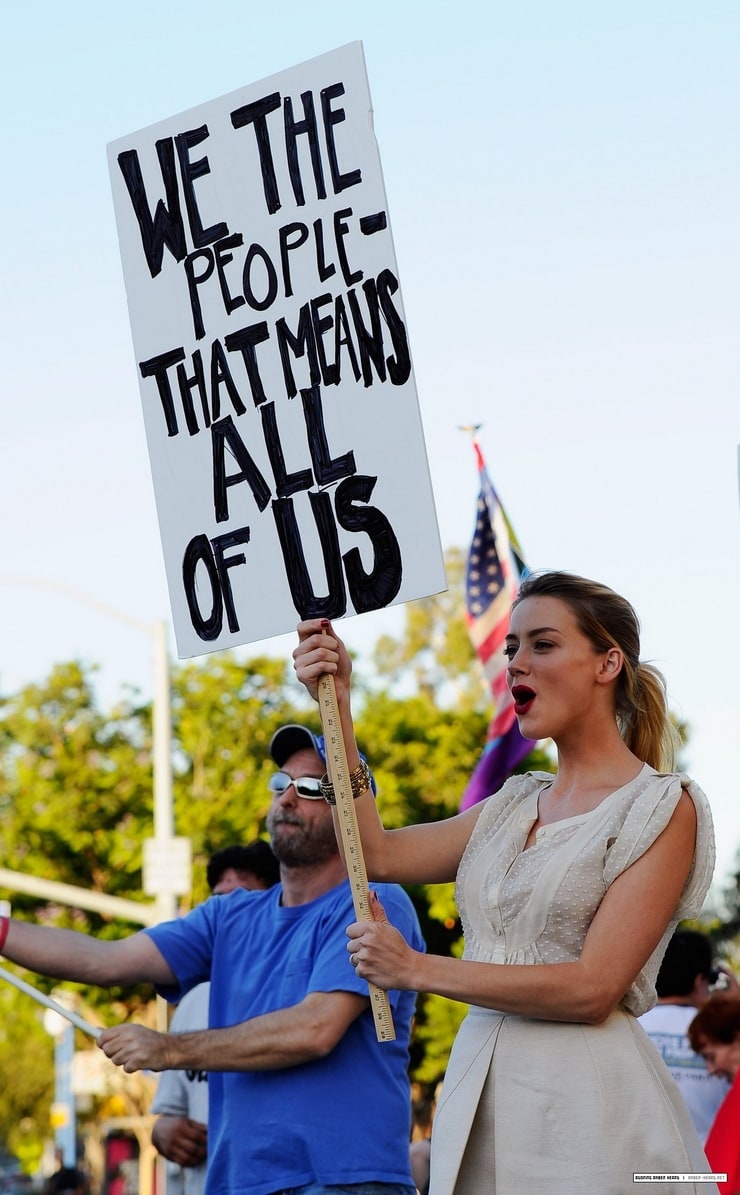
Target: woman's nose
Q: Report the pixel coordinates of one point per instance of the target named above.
(517, 663)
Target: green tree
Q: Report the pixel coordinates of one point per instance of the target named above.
(75, 797)
(75, 789)
(434, 653)
(26, 1065)
(224, 715)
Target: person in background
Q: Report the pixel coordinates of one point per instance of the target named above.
(423, 1103)
(715, 1035)
(66, 1180)
(683, 985)
(180, 1132)
(420, 1152)
(302, 1096)
(569, 887)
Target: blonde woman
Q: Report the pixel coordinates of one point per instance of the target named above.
(569, 887)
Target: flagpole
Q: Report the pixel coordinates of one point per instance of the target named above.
(473, 429)
(495, 567)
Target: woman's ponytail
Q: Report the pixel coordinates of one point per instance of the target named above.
(644, 720)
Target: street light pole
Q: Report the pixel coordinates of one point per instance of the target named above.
(167, 859)
(66, 1133)
(164, 822)
(63, 1112)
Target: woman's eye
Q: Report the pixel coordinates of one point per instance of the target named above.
(542, 645)
(510, 651)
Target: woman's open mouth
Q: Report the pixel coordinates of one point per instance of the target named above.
(523, 698)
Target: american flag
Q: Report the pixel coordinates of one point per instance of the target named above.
(495, 568)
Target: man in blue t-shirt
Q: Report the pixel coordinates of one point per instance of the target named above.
(303, 1098)
(180, 1132)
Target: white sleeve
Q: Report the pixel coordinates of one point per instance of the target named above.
(174, 1089)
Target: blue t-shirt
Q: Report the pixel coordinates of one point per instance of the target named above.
(340, 1119)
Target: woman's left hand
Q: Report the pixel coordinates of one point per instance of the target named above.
(379, 953)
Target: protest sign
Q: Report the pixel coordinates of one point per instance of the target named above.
(281, 413)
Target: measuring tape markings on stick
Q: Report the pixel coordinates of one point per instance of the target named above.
(336, 761)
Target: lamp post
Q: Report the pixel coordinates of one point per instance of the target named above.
(167, 859)
(63, 1117)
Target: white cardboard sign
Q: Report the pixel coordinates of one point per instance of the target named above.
(281, 412)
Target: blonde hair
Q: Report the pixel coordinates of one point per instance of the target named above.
(608, 620)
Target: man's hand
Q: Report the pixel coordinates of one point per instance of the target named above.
(180, 1139)
(726, 980)
(136, 1048)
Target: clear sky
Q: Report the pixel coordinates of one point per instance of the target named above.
(563, 184)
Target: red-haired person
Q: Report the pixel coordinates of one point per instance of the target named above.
(715, 1034)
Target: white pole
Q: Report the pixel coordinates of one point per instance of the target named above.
(164, 816)
(67, 1013)
(164, 825)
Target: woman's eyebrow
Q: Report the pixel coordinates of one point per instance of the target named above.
(534, 632)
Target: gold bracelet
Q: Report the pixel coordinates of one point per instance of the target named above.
(360, 779)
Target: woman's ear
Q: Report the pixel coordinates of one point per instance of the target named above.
(611, 666)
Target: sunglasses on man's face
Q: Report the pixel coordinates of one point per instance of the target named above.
(306, 786)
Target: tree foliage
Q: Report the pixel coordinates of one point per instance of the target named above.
(75, 786)
(434, 653)
(26, 1066)
(224, 715)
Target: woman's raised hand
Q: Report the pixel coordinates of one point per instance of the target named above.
(320, 651)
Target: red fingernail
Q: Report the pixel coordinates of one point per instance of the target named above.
(324, 623)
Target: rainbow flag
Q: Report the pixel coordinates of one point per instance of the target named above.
(495, 569)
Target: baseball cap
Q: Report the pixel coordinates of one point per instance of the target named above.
(293, 737)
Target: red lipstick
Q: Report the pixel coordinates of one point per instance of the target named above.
(523, 698)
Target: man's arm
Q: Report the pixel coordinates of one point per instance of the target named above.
(286, 1037)
(66, 954)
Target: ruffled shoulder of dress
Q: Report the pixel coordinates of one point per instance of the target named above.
(651, 807)
(512, 793)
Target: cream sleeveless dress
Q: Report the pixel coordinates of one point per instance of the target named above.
(532, 1107)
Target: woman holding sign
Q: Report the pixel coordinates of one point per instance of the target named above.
(569, 887)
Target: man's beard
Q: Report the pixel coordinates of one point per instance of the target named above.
(302, 846)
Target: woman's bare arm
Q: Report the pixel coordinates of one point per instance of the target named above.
(625, 931)
(427, 853)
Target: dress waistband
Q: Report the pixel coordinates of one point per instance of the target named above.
(475, 1010)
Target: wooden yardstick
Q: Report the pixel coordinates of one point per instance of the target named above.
(338, 768)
